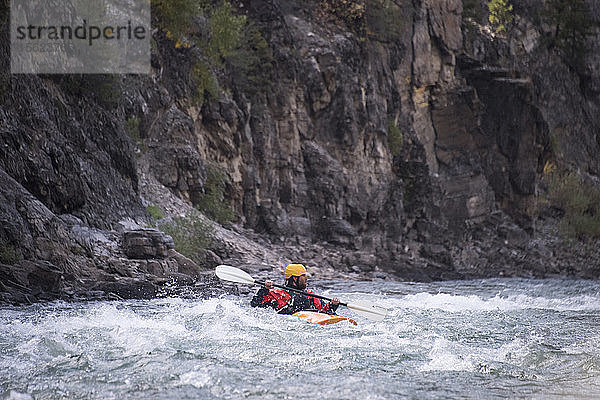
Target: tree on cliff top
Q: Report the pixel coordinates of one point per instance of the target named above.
(500, 14)
(174, 17)
(226, 44)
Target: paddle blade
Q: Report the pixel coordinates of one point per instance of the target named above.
(368, 310)
(233, 274)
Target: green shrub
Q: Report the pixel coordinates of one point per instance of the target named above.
(213, 202)
(501, 14)
(395, 138)
(581, 226)
(375, 19)
(229, 45)
(225, 33)
(383, 20)
(251, 65)
(573, 24)
(155, 212)
(350, 12)
(205, 83)
(8, 254)
(580, 202)
(191, 234)
(132, 127)
(472, 9)
(174, 17)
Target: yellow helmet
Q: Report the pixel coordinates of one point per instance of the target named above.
(294, 270)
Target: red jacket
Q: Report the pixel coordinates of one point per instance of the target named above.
(285, 303)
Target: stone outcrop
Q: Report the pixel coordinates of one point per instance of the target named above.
(147, 243)
(61, 257)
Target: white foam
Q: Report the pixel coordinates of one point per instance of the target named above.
(458, 303)
(448, 356)
(199, 378)
(14, 395)
(221, 345)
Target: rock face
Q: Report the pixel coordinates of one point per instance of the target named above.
(310, 170)
(147, 243)
(70, 154)
(61, 257)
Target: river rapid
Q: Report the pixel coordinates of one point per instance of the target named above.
(484, 339)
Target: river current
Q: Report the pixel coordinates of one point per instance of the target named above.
(484, 339)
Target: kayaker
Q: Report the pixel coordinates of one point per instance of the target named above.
(285, 302)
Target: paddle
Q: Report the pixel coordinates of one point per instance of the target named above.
(364, 308)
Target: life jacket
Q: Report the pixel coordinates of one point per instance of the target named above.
(303, 302)
(280, 297)
(287, 303)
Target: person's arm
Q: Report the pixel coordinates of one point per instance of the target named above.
(262, 297)
(259, 299)
(329, 307)
(288, 308)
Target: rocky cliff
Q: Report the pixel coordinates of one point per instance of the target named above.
(404, 139)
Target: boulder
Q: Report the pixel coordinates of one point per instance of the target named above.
(147, 243)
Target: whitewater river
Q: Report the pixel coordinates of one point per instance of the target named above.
(487, 339)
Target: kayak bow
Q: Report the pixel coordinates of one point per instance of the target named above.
(321, 318)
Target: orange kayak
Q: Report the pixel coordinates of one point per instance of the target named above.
(321, 318)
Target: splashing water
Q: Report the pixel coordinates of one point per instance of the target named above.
(466, 340)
